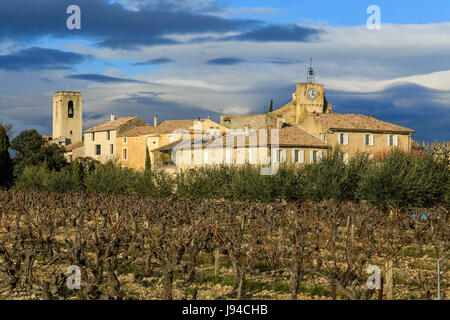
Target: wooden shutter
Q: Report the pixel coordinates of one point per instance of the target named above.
(346, 138)
(372, 140)
(302, 156)
(311, 156)
(293, 159)
(284, 155)
(396, 140)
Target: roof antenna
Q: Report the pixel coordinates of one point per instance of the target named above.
(311, 75)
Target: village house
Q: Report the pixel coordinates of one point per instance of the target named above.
(100, 141)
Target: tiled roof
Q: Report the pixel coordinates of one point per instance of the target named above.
(164, 127)
(341, 121)
(137, 131)
(172, 125)
(110, 125)
(289, 136)
(74, 146)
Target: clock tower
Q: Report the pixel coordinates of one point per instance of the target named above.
(310, 98)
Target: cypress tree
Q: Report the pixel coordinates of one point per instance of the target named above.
(6, 165)
(271, 106)
(148, 162)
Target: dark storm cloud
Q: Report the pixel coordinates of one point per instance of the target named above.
(155, 61)
(418, 109)
(289, 32)
(283, 61)
(102, 78)
(226, 61)
(110, 25)
(40, 58)
(147, 106)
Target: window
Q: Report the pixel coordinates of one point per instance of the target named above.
(346, 158)
(250, 156)
(343, 138)
(108, 135)
(70, 110)
(93, 136)
(315, 156)
(136, 139)
(98, 149)
(298, 156)
(124, 154)
(392, 140)
(229, 156)
(111, 149)
(227, 121)
(369, 139)
(279, 155)
(124, 140)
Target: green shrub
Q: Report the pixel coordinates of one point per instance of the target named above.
(404, 180)
(41, 178)
(109, 178)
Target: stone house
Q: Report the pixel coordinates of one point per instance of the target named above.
(354, 133)
(100, 141)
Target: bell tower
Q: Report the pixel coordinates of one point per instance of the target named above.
(68, 115)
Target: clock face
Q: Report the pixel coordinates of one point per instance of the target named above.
(312, 94)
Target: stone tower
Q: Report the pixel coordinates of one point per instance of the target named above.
(310, 98)
(68, 115)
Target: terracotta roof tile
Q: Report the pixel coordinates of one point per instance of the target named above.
(165, 127)
(74, 146)
(289, 136)
(341, 121)
(110, 125)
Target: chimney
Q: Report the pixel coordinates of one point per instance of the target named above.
(113, 117)
(280, 122)
(155, 120)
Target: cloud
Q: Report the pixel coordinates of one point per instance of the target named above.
(102, 78)
(280, 33)
(109, 24)
(226, 61)
(153, 62)
(283, 61)
(146, 106)
(40, 58)
(406, 104)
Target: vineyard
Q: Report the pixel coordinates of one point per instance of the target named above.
(139, 247)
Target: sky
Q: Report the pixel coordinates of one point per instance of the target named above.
(198, 58)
